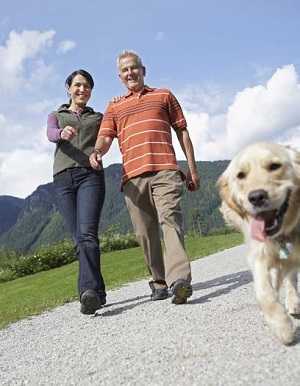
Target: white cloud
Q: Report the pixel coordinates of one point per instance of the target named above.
(65, 46)
(18, 48)
(205, 112)
(43, 106)
(12, 134)
(261, 72)
(219, 126)
(198, 124)
(23, 135)
(113, 156)
(40, 73)
(2, 121)
(210, 99)
(267, 111)
(26, 157)
(21, 171)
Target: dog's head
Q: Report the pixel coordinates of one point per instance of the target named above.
(261, 186)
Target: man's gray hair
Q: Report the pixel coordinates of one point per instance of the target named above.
(130, 53)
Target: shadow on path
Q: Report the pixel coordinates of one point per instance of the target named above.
(119, 310)
(128, 300)
(297, 337)
(231, 282)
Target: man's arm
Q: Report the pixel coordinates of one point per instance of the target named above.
(193, 178)
(101, 147)
(178, 123)
(107, 132)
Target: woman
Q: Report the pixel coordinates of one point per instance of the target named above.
(80, 189)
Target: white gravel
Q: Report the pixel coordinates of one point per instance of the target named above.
(218, 338)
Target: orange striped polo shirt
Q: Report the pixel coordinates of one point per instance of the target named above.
(142, 123)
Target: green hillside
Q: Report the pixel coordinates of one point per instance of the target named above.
(39, 223)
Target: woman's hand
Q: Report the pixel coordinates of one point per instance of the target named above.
(96, 160)
(68, 133)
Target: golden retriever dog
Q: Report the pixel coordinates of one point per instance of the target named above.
(260, 192)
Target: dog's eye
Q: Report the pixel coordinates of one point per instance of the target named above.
(241, 175)
(274, 166)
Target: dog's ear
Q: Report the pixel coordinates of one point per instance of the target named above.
(223, 187)
(295, 157)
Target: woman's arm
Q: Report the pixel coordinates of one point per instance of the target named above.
(53, 130)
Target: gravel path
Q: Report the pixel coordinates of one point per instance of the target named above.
(218, 338)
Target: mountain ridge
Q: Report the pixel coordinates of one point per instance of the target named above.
(35, 220)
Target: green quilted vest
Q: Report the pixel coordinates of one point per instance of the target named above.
(75, 153)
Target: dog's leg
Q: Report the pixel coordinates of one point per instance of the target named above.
(292, 300)
(276, 278)
(268, 298)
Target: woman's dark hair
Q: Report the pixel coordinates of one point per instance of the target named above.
(84, 73)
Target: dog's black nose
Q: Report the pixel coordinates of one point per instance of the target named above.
(258, 197)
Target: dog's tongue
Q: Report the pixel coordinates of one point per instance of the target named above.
(257, 226)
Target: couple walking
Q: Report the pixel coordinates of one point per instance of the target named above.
(152, 183)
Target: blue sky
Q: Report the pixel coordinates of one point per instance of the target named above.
(233, 65)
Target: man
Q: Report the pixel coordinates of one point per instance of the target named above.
(152, 182)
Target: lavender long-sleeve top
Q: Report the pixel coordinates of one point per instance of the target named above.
(53, 129)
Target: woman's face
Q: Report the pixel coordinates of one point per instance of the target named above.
(80, 90)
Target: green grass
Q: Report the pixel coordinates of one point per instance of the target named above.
(33, 294)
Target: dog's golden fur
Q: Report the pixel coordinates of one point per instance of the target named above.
(260, 192)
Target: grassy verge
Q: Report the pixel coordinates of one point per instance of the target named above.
(33, 294)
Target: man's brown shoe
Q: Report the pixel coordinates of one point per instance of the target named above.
(181, 290)
(158, 293)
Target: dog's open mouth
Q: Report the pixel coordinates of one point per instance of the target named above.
(268, 223)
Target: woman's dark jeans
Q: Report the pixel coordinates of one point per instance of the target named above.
(80, 195)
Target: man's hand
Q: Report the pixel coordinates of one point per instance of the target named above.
(192, 181)
(96, 160)
(68, 133)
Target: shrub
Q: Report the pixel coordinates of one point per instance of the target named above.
(213, 232)
(44, 258)
(114, 242)
(6, 275)
(221, 231)
(58, 254)
(7, 257)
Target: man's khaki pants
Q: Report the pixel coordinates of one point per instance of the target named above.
(153, 199)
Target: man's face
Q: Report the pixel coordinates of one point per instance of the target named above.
(131, 73)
